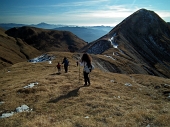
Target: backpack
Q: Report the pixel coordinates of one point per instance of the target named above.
(88, 69)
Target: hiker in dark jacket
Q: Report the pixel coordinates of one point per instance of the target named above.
(66, 64)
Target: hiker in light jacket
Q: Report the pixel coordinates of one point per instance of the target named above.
(86, 62)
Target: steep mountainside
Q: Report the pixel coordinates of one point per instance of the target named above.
(48, 40)
(14, 50)
(142, 40)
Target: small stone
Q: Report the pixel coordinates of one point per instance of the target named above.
(128, 84)
(2, 102)
(5, 115)
(22, 108)
(148, 125)
(112, 81)
(87, 117)
(166, 86)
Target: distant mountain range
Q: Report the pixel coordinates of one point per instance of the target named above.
(88, 34)
(43, 25)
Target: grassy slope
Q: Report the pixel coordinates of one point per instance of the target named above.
(14, 50)
(61, 101)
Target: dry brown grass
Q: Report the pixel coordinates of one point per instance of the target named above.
(61, 101)
(14, 50)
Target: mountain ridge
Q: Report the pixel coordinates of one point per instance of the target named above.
(47, 40)
(142, 38)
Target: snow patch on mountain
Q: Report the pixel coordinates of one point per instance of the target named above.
(109, 57)
(112, 41)
(42, 58)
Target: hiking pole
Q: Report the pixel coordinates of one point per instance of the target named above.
(79, 74)
(55, 70)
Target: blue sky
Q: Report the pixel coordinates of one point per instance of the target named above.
(77, 12)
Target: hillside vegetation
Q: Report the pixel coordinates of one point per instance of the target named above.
(60, 100)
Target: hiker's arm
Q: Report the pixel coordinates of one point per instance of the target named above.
(81, 63)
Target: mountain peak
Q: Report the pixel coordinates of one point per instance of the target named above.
(143, 37)
(43, 23)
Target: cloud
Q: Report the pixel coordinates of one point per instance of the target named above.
(79, 4)
(163, 14)
(99, 12)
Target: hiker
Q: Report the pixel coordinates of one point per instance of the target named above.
(77, 63)
(59, 67)
(86, 62)
(66, 64)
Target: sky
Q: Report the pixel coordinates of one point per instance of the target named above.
(77, 12)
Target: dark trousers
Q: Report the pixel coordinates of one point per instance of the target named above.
(86, 78)
(66, 68)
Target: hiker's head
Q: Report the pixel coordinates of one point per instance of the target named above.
(86, 58)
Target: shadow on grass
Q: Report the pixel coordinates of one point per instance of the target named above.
(73, 93)
(56, 73)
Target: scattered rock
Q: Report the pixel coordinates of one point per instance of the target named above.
(166, 86)
(2, 102)
(23, 108)
(128, 84)
(31, 85)
(169, 97)
(148, 125)
(157, 87)
(5, 115)
(42, 58)
(112, 81)
(116, 97)
(87, 117)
